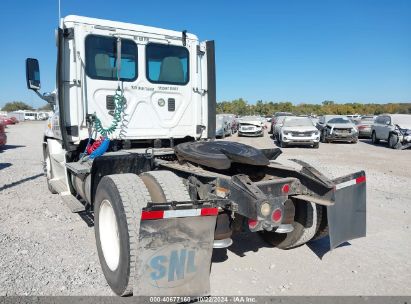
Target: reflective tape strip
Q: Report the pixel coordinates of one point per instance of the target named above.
(151, 215)
(209, 211)
(352, 182)
(182, 213)
(159, 214)
(360, 179)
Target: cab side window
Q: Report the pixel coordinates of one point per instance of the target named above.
(101, 57)
(167, 64)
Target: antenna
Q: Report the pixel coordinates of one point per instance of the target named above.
(58, 22)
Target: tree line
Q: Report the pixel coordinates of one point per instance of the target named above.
(266, 108)
(19, 105)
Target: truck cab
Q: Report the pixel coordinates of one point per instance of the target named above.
(162, 75)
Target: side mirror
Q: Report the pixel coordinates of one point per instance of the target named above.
(33, 74)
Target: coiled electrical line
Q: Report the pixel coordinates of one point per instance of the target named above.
(120, 103)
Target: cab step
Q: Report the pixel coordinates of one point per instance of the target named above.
(79, 167)
(73, 203)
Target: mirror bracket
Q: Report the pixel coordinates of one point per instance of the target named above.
(48, 97)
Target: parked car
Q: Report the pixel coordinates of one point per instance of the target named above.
(7, 121)
(251, 126)
(232, 120)
(394, 128)
(354, 117)
(298, 131)
(364, 126)
(275, 118)
(278, 125)
(222, 128)
(337, 128)
(14, 119)
(3, 136)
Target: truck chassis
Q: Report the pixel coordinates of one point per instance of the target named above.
(287, 207)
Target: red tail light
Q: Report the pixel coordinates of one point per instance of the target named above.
(252, 223)
(276, 215)
(285, 188)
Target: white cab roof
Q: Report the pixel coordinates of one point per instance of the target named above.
(123, 26)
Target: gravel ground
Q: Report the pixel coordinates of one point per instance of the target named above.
(46, 250)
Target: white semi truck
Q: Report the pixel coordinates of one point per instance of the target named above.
(132, 142)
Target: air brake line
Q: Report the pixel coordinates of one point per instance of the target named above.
(100, 146)
(118, 111)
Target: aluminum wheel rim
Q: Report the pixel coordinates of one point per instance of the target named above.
(109, 238)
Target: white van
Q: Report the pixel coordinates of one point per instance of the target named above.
(30, 116)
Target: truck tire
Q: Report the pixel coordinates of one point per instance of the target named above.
(322, 230)
(118, 203)
(48, 172)
(306, 223)
(165, 186)
(316, 145)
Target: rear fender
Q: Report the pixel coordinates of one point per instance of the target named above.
(347, 216)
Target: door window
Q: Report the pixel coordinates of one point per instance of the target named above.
(101, 57)
(167, 64)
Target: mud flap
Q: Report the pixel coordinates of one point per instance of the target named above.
(347, 217)
(174, 255)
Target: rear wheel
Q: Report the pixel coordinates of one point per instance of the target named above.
(323, 223)
(307, 220)
(118, 203)
(165, 186)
